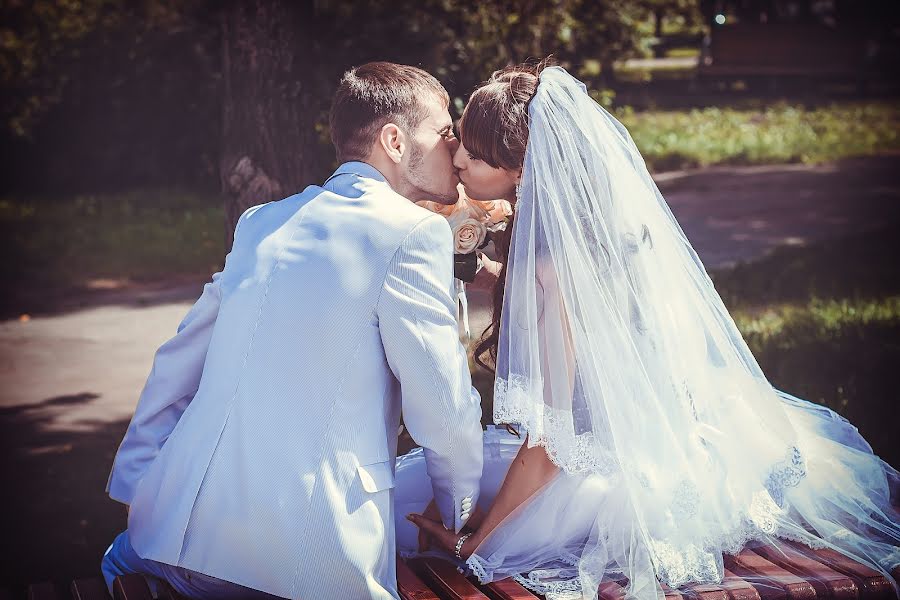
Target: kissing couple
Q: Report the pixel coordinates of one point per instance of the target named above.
(643, 440)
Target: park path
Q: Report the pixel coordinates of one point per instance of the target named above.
(78, 370)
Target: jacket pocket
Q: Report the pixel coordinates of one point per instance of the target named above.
(376, 476)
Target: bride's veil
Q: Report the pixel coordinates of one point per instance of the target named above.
(618, 356)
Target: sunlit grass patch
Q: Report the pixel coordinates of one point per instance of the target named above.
(783, 133)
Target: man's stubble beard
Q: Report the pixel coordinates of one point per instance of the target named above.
(416, 183)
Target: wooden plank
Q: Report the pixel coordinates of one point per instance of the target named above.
(706, 591)
(131, 587)
(737, 588)
(92, 588)
(507, 589)
(871, 583)
(43, 591)
(446, 580)
(827, 582)
(610, 590)
(410, 586)
(774, 582)
(670, 593)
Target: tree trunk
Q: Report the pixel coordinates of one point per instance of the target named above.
(269, 142)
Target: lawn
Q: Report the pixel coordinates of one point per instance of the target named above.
(782, 133)
(60, 246)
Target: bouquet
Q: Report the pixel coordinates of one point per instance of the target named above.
(472, 221)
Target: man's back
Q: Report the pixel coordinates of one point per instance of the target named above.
(278, 473)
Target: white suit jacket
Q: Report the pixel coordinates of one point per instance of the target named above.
(262, 449)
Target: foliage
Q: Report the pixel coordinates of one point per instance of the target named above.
(112, 95)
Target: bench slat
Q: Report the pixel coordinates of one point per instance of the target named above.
(131, 587)
(670, 593)
(448, 581)
(43, 591)
(705, 591)
(737, 588)
(872, 584)
(92, 588)
(775, 582)
(827, 582)
(507, 589)
(410, 586)
(610, 590)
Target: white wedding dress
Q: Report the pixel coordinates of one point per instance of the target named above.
(617, 355)
(551, 530)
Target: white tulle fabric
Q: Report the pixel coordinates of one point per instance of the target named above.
(618, 356)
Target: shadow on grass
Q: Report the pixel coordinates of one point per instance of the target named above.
(858, 266)
(57, 519)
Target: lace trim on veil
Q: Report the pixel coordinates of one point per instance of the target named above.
(568, 451)
(674, 566)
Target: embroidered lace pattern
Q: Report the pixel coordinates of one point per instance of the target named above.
(675, 564)
(552, 429)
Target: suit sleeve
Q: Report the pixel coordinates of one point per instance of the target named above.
(169, 389)
(441, 409)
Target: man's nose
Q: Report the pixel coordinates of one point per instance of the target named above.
(458, 157)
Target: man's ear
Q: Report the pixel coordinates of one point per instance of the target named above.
(393, 142)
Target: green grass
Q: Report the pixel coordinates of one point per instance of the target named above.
(55, 247)
(777, 134)
(683, 53)
(136, 235)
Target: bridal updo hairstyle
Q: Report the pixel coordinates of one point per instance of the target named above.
(494, 129)
(373, 95)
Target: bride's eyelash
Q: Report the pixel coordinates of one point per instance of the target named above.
(471, 157)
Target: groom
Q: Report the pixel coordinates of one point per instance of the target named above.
(260, 459)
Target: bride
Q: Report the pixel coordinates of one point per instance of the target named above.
(652, 443)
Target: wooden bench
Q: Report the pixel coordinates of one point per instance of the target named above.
(766, 573)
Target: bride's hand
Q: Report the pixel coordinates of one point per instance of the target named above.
(445, 538)
(488, 275)
(432, 513)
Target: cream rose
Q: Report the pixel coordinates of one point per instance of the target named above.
(468, 234)
(499, 212)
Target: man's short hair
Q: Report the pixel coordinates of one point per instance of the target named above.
(374, 94)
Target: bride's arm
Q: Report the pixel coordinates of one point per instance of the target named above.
(528, 473)
(532, 468)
